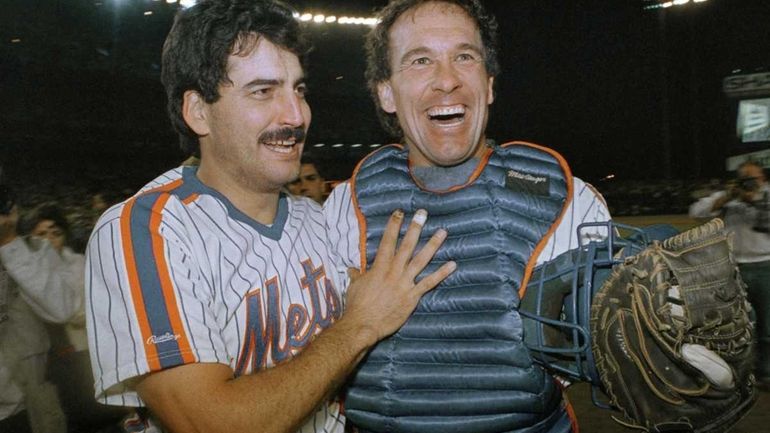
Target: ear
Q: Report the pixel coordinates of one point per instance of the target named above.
(385, 95)
(194, 112)
(491, 91)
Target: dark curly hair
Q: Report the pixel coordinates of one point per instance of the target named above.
(378, 47)
(202, 38)
(47, 212)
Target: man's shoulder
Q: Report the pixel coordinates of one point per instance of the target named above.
(146, 199)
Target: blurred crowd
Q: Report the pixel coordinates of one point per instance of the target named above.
(83, 203)
(655, 197)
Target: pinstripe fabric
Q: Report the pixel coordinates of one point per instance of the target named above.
(177, 275)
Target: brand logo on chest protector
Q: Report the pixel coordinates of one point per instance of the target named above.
(526, 182)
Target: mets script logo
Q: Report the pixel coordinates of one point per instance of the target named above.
(265, 338)
(157, 339)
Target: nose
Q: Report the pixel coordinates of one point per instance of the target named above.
(292, 110)
(446, 78)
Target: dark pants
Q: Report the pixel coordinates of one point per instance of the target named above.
(757, 279)
(16, 423)
(71, 372)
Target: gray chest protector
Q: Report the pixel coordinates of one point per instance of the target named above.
(459, 363)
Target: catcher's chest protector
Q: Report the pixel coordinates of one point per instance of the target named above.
(459, 363)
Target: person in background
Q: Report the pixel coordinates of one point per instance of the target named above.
(745, 208)
(69, 365)
(310, 183)
(37, 287)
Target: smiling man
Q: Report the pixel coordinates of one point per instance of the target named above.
(208, 298)
(459, 363)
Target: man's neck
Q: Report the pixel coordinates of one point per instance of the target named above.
(442, 178)
(261, 206)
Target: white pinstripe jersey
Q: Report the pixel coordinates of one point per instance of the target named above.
(587, 205)
(178, 275)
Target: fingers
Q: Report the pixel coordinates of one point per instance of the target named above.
(433, 280)
(412, 236)
(387, 246)
(424, 256)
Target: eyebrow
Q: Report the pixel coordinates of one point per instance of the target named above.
(271, 82)
(423, 50)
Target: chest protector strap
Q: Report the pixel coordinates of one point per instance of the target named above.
(459, 363)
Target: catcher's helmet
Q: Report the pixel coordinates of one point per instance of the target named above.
(557, 303)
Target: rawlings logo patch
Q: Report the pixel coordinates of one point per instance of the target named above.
(527, 183)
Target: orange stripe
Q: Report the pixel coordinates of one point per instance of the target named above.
(570, 413)
(133, 276)
(190, 199)
(165, 279)
(567, 405)
(136, 288)
(359, 215)
(540, 245)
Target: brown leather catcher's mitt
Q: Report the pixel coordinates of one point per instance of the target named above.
(672, 338)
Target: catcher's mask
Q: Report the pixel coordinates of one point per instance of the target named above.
(557, 304)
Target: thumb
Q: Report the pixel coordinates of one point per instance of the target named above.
(354, 274)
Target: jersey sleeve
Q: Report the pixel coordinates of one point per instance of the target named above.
(587, 206)
(147, 307)
(342, 229)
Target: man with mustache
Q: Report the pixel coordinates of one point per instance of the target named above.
(209, 295)
(459, 363)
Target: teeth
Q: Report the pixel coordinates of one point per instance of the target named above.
(446, 111)
(281, 149)
(281, 143)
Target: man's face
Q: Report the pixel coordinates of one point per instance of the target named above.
(48, 229)
(309, 183)
(756, 174)
(253, 135)
(439, 87)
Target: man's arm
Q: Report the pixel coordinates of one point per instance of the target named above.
(710, 206)
(207, 398)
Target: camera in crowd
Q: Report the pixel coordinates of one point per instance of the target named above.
(748, 184)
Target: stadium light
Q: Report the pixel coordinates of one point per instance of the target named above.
(317, 18)
(337, 145)
(319, 145)
(658, 4)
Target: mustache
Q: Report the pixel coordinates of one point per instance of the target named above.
(283, 134)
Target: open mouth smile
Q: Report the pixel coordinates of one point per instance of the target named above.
(282, 146)
(447, 116)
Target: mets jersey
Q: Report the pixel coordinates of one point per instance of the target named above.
(177, 275)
